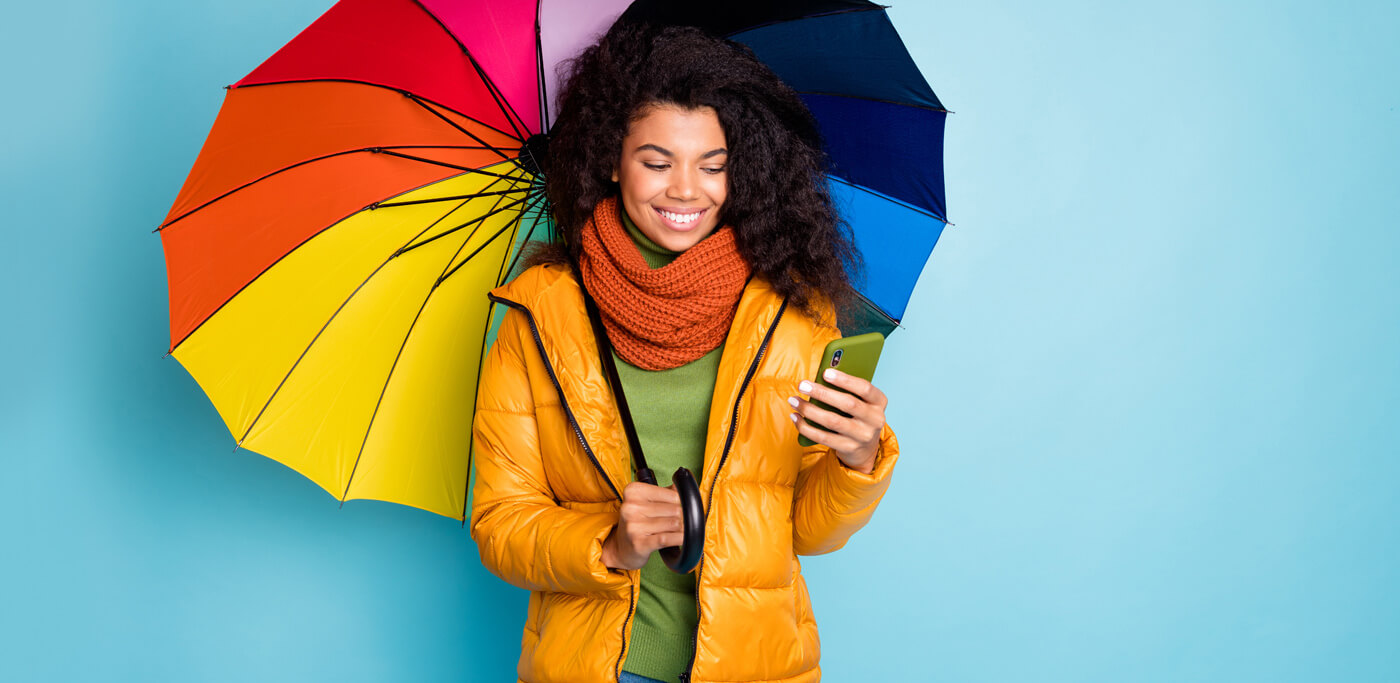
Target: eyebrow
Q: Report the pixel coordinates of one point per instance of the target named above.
(669, 153)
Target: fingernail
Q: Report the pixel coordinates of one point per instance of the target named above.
(805, 387)
(792, 401)
(794, 417)
(829, 374)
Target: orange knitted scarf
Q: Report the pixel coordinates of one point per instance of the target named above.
(663, 318)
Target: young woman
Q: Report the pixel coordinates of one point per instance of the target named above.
(686, 181)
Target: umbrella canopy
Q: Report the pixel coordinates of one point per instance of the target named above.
(881, 122)
(364, 187)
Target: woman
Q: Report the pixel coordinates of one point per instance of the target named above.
(686, 181)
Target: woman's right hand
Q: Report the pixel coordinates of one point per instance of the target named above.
(650, 519)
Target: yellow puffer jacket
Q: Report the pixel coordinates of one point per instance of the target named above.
(552, 459)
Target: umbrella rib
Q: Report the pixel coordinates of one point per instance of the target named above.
(901, 202)
(424, 104)
(849, 10)
(337, 311)
(532, 201)
(475, 195)
(478, 219)
(400, 91)
(407, 334)
(511, 116)
(501, 102)
(377, 150)
(174, 345)
(876, 307)
(925, 107)
(518, 252)
(435, 162)
(540, 74)
(481, 359)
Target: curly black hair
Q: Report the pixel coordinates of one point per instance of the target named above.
(786, 225)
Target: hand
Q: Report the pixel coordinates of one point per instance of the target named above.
(854, 439)
(650, 518)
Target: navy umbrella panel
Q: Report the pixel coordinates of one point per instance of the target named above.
(881, 123)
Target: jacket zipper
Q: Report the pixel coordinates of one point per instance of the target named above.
(724, 455)
(631, 590)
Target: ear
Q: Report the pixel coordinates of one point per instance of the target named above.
(614, 175)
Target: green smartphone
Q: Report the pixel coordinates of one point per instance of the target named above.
(852, 355)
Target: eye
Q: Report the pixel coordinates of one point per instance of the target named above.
(714, 170)
(656, 167)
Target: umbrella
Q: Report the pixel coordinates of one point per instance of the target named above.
(361, 190)
(882, 124)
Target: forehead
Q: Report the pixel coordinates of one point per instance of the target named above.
(681, 127)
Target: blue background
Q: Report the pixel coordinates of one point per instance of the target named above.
(1144, 392)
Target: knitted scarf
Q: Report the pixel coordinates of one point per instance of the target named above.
(663, 318)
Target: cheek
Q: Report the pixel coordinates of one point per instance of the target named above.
(718, 189)
(639, 188)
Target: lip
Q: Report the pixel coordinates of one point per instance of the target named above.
(680, 227)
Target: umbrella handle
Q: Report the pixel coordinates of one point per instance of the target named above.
(683, 558)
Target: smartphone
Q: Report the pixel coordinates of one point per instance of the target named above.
(852, 355)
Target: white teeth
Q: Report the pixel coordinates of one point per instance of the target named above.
(680, 217)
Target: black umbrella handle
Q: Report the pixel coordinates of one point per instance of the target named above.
(683, 558)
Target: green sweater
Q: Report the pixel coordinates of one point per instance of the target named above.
(670, 409)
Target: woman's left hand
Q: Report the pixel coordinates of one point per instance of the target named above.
(855, 439)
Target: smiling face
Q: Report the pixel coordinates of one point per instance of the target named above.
(671, 175)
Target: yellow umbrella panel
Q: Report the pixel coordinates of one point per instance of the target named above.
(353, 359)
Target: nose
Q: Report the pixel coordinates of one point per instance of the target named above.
(684, 185)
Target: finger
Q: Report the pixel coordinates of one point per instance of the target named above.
(638, 512)
(875, 397)
(829, 419)
(660, 541)
(662, 510)
(637, 490)
(835, 398)
(856, 385)
(837, 442)
(654, 526)
(649, 493)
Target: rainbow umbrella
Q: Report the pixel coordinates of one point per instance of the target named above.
(360, 191)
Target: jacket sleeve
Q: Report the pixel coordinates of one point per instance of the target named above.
(524, 536)
(833, 501)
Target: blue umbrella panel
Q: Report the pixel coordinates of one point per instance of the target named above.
(881, 123)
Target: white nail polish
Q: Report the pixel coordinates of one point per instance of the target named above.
(805, 387)
(792, 401)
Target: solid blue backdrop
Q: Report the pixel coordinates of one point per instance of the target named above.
(1144, 389)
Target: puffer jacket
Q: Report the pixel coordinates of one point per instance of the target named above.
(551, 462)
